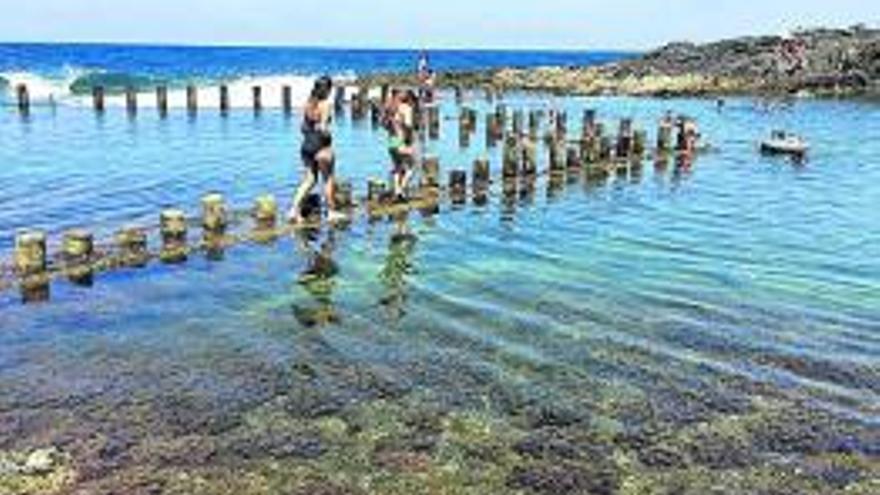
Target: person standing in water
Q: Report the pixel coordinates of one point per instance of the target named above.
(316, 150)
(401, 140)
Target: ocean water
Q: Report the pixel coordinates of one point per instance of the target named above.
(672, 329)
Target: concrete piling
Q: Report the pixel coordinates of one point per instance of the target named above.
(257, 92)
(215, 216)
(77, 250)
(172, 224)
(430, 171)
(162, 100)
(224, 98)
(286, 99)
(131, 103)
(192, 99)
(131, 244)
(23, 98)
(98, 98)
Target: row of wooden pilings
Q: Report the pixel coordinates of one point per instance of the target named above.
(192, 98)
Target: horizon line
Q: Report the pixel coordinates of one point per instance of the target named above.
(306, 46)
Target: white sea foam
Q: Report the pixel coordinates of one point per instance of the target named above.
(45, 90)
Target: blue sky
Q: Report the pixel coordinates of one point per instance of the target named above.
(623, 24)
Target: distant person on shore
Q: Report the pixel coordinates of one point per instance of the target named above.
(399, 123)
(316, 151)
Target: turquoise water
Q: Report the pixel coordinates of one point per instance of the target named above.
(669, 331)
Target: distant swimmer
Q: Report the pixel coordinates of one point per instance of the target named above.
(316, 151)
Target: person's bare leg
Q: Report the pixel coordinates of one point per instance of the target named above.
(305, 185)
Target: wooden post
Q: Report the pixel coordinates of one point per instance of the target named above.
(24, 99)
(375, 113)
(98, 98)
(131, 100)
(162, 100)
(534, 125)
(557, 156)
(481, 171)
(434, 122)
(572, 158)
(343, 196)
(561, 125)
(430, 171)
(459, 94)
(286, 99)
(494, 130)
(30, 253)
(339, 100)
(78, 249)
(589, 119)
(30, 263)
(172, 223)
(605, 148)
(265, 211)
(132, 245)
(639, 139)
(518, 118)
(529, 157)
(458, 185)
(510, 163)
(258, 98)
(464, 137)
(224, 98)
(215, 216)
(664, 137)
(192, 99)
(376, 190)
(625, 138)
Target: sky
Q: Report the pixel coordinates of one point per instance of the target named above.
(559, 24)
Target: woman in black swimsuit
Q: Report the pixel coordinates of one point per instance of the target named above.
(317, 150)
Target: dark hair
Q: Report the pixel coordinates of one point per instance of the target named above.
(321, 89)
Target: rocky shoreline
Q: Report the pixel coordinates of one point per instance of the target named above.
(817, 62)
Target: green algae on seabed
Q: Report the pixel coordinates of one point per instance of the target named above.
(39, 472)
(414, 445)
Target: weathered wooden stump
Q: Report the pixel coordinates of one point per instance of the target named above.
(286, 99)
(162, 100)
(257, 93)
(23, 98)
(172, 225)
(98, 98)
(192, 99)
(224, 98)
(481, 173)
(30, 264)
(131, 100)
(215, 215)
(77, 251)
(431, 171)
(131, 243)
